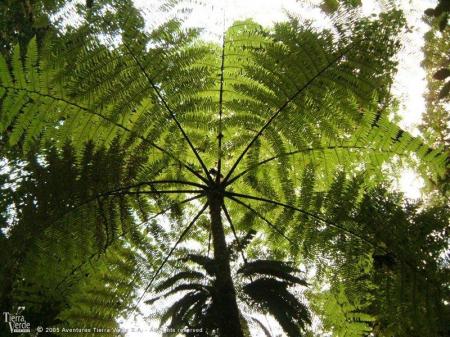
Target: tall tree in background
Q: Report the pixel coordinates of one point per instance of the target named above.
(143, 124)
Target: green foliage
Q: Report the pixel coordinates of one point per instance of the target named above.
(436, 120)
(62, 247)
(107, 95)
(265, 284)
(104, 296)
(118, 126)
(340, 316)
(331, 6)
(440, 14)
(22, 20)
(391, 287)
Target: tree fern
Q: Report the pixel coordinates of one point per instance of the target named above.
(158, 120)
(199, 310)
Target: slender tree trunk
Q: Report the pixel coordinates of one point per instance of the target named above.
(229, 322)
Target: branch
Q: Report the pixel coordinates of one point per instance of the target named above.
(168, 256)
(227, 215)
(327, 222)
(290, 154)
(263, 218)
(277, 203)
(149, 192)
(171, 113)
(220, 135)
(97, 196)
(134, 134)
(98, 254)
(281, 108)
(145, 183)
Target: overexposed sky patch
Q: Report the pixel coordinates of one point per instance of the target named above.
(410, 83)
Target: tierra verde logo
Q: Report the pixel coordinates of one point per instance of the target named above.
(16, 322)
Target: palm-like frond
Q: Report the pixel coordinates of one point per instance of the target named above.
(184, 275)
(273, 297)
(269, 292)
(205, 262)
(272, 268)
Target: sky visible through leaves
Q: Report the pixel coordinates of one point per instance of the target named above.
(215, 16)
(409, 87)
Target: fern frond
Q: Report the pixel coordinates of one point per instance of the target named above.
(271, 268)
(177, 277)
(273, 297)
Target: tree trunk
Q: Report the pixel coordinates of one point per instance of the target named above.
(229, 322)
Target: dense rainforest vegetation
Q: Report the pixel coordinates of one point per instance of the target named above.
(233, 188)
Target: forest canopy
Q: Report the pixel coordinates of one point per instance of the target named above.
(239, 187)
